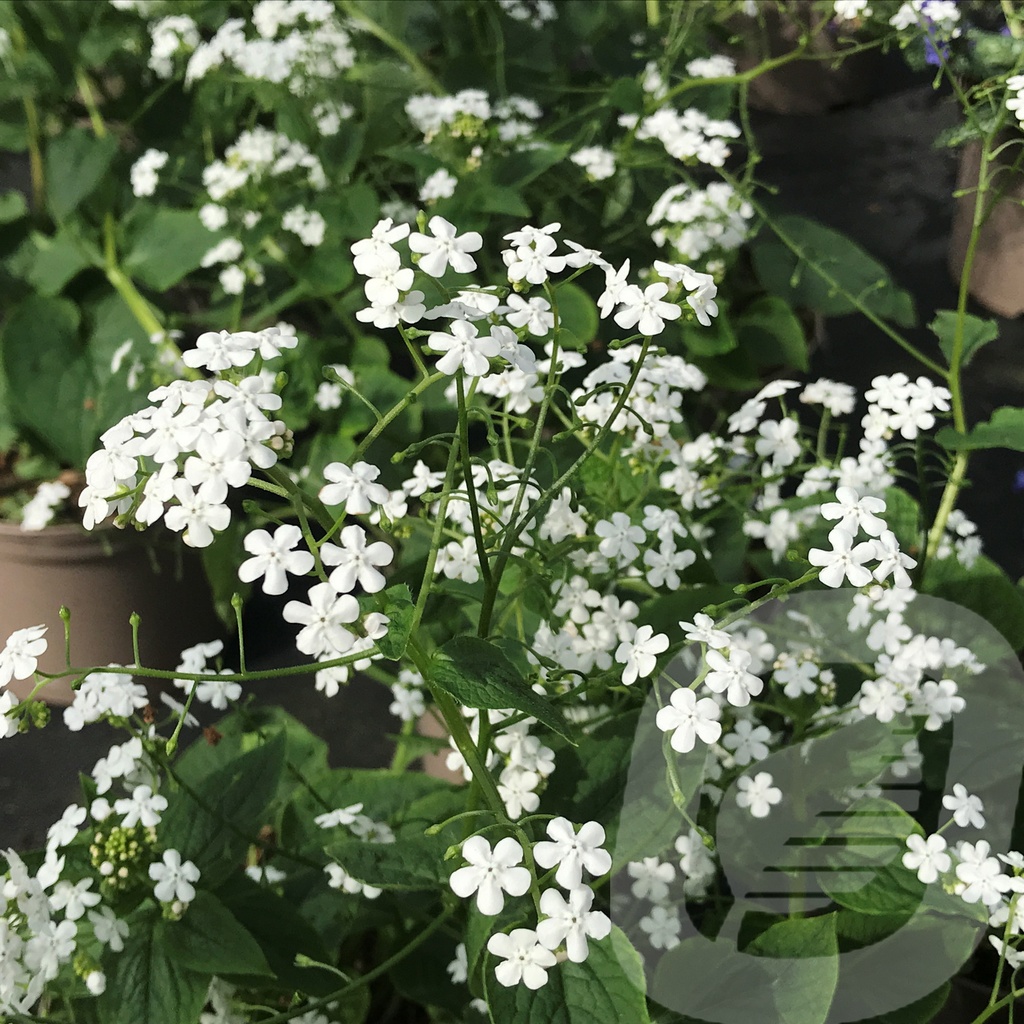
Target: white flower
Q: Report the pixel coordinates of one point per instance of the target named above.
(142, 807)
(354, 487)
(892, 561)
(855, 512)
(882, 699)
(21, 653)
(63, 831)
(458, 969)
(598, 163)
(274, 557)
(662, 926)
(845, 561)
(689, 719)
(619, 537)
(323, 620)
(108, 928)
(524, 958)
(646, 309)
(220, 350)
(439, 185)
(757, 793)
(572, 922)
(490, 873)
(73, 898)
(356, 561)
(639, 655)
(446, 247)
(748, 742)
(464, 348)
(573, 851)
(199, 513)
(143, 174)
(731, 676)
(927, 857)
(174, 878)
(967, 809)
(702, 630)
(982, 873)
(778, 441)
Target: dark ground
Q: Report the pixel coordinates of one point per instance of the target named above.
(868, 170)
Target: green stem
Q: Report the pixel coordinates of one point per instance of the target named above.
(382, 968)
(392, 42)
(89, 99)
(394, 412)
(35, 154)
(467, 474)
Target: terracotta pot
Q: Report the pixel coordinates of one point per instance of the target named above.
(807, 86)
(997, 273)
(102, 577)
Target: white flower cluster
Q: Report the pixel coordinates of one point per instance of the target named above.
(1015, 96)
(471, 115)
(527, 954)
(176, 460)
(171, 37)
(236, 187)
(144, 177)
(898, 404)
(691, 136)
(697, 223)
(938, 17)
(299, 44)
(535, 13)
(597, 162)
(362, 827)
(40, 508)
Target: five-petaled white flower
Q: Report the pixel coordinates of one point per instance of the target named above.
(273, 558)
(855, 512)
(689, 719)
(967, 809)
(142, 807)
(446, 247)
(573, 851)
(323, 620)
(639, 655)
(21, 653)
(174, 878)
(757, 793)
(490, 873)
(845, 561)
(571, 921)
(354, 486)
(357, 561)
(524, 958)
(464, 348)
(731, 676)
(926, 856)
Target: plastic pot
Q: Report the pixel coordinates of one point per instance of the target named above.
(102, 577)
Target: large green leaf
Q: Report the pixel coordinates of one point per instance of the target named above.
(770, 331)
(406, 864)
(76, 162)
(1004, 429)
(976, 332)
(209, 939)
(57, 260)
(167, 246)
(607, 987)
(478, 674)
(51, 388)
(214, 821)
(984, 589)
(831, 274)
(146, 983)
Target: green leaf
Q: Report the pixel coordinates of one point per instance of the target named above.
(12, 207)
(397, 605)
(50, 384)
(145, 983)
(985, 589)
(58, 259)
(209, 939)
(76, 162)
(477, 674)
(214, 824)
(770, 331)
(856, 275)
(577, 311)
(281, 932)
(715, 340)
(520, 168)
(166, 247)
(406, 864)
(1005, 429)
(608, 986)
(806, 985)
(977, 332)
